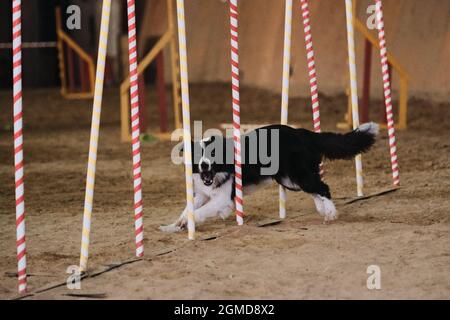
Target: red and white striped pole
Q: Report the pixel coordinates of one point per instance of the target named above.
(387, 93)
(236, 111)
(311, 70)
(311, 66)
(135, 130)
(18, 145)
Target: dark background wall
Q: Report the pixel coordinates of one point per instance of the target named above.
(40, 66)
(38, 24)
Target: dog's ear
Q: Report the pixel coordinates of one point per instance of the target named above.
(181, 148)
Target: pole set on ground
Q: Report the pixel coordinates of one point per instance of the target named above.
(18, 145)
(311, 65)
(353, 89)
(387, 93)
(135, 128)
(386, 88)
(186, 114)
(285, 87)
(95, 131)
(239, 196)
(186, 118)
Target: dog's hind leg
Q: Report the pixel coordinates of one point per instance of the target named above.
(320, 193)
(325, 207)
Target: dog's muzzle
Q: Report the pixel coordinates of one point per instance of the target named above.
(207, 182)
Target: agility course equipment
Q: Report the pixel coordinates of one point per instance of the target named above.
(387, 93)
(186, 118)
(311, 65)
(136, 144)
(236, 111)
(393, 64)
(74, 85)
(134, 111)
(353, 89)
(233, 7)
(285, 87)
(167, 39)
(71, 54)
(350, 11)
(95, 130)
(18, 145)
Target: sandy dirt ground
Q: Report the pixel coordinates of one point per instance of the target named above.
(406, 233)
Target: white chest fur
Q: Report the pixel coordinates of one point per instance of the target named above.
(212, 191)
(199, 186)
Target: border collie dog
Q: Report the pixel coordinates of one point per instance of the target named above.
(294, 163)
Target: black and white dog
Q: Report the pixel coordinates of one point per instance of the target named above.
(296, 155)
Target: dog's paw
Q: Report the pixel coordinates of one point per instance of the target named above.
(225, 212)
(171, 228)
(318, 201)
(330, 213)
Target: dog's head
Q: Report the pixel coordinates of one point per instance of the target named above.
(207, 164)
(211, 156)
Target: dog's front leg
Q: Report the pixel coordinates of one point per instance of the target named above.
(214, 208)
(180, 224)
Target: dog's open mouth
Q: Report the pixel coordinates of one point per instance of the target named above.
(207, 182)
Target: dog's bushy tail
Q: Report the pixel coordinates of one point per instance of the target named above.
(346, 146)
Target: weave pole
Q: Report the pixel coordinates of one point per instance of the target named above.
(95, 130)
(311, 70)
(186, 118)
(353, 88)
(387, 93)
(311, 66)
(285, 86)
(135, 130)
(18, 145)
(236, 111)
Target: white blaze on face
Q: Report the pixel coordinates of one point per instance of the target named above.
(203, 159)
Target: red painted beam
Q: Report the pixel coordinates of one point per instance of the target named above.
(83, 75)
(70, 69)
